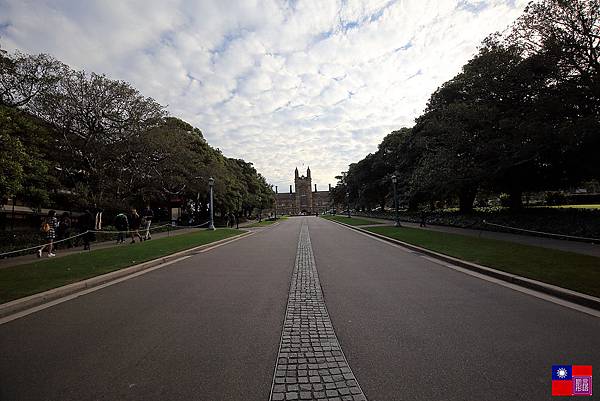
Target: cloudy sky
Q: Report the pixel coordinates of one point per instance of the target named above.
(280, 83)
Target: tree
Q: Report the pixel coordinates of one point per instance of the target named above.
(99, 120)
(82, 139)
(523, 115)
(567, 35)
(399, 153)
(25, 77)
(568, 29)
(24, 164)
(489, 127)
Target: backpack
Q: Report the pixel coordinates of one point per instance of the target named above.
(121, 221)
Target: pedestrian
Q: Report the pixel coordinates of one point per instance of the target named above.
(134, 225)
(122, 226)
(86, 224)
(148, 216)
(98, 219)
(49, 226)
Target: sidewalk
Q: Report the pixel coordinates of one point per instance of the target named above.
(20, 260)
(583, 248)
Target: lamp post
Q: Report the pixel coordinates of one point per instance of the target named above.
(348, 203)
(394, 181)
(211, 183)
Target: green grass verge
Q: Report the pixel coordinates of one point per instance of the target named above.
(565, 269)
(23, 280)
(576, 207)
(352, 221)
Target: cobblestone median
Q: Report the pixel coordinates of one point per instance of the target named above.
(310, 363)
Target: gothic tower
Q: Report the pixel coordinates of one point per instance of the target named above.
(304, 201)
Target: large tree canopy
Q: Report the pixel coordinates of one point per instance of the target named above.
(522, 115)
(72, 139)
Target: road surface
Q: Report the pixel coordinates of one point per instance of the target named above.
(209, 328)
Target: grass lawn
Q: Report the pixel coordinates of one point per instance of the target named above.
(590, 207)
(23, 280)
(565, 269)
(577, 207)
(353, 221)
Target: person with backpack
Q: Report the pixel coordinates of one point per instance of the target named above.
(148, 216)
(134, 225)
(122, 226)
(48, 229)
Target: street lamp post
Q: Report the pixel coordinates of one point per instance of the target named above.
(394, 181)
(348, 203)
(211, 183)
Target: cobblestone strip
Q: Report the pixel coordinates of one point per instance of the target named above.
(310, 363)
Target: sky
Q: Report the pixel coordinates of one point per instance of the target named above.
(279, 83)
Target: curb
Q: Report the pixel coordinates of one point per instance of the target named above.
(21, 304)
(556, 291)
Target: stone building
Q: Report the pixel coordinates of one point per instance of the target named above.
(305, 199)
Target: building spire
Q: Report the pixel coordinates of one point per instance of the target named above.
(296, 173)
(308, 172)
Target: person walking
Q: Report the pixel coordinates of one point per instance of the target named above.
(49, 229)
(98, 219)
(122, 226)
(148, 216)
(86, 223)
(134, 225)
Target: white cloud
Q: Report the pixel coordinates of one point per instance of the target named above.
(278, 83)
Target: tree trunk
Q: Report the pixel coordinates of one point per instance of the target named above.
(465, 200)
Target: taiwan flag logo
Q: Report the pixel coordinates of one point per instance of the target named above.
(571, 380)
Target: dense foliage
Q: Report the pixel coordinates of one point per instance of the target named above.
(522, 116)
(73, 140)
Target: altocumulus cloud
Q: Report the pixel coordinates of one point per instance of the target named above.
(279, 83)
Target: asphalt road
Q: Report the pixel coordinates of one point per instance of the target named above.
(208, 328)
(414, 330)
